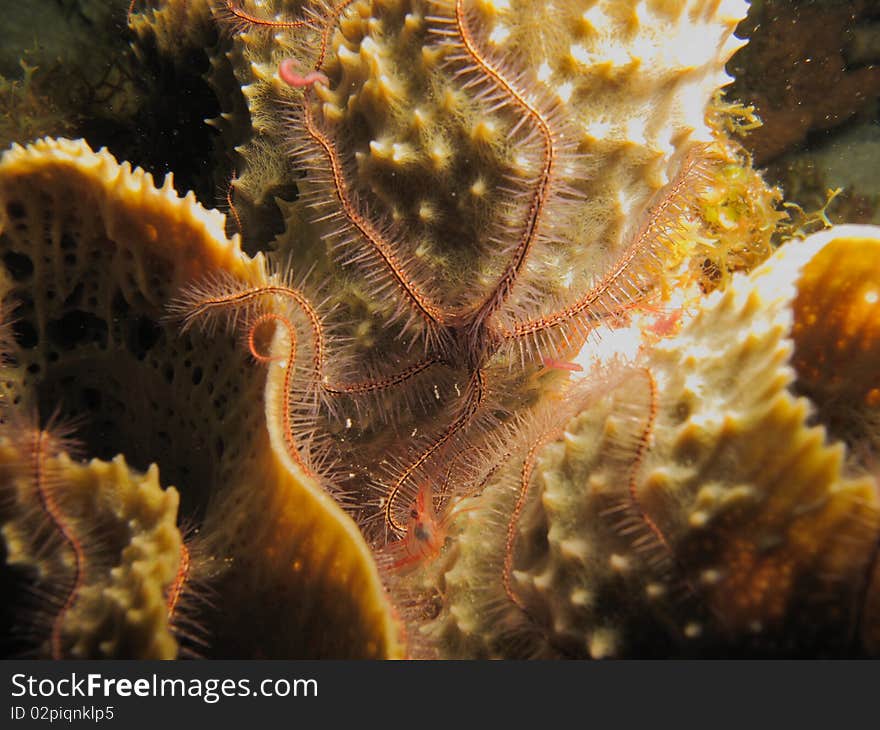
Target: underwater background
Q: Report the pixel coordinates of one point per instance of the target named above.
(457, 328)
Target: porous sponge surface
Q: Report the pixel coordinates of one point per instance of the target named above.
(94, 256)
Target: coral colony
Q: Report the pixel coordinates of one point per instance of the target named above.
(519, 373)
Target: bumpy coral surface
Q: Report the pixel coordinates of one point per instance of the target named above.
(689, 507)
(103, 543)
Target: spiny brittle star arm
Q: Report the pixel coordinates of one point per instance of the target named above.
(249, 18)
(642, 258)
(51, 508)
(474, 399)
(368, 386)
(287, 428)
(180, 579)
(503, 288)
(584, 305)
(512, 525)
(329, 25)
(251, 295)
(429, 310)
(641, 452)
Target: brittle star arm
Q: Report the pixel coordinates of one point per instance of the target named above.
(369, 386)
(501, 291)
(473, 401)
(590, 308)
(248, 18)
(429, 310)
(43, 485)
(249, 296)
(525, 481)
(329, 24)
(637, 269)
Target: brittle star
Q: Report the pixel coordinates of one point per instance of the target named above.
(465, 338)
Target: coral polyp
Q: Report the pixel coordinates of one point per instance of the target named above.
(504, 373)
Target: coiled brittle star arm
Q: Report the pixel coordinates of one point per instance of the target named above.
(202, 306)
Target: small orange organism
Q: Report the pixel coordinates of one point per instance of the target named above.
(425, 533)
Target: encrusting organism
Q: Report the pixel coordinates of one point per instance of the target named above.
(99, 543)
(683, 504)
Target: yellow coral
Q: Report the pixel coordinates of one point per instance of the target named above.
(106, 563)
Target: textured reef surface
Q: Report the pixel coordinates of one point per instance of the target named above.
(476, 335)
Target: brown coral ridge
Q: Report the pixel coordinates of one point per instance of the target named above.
(466, 298)
(93, 254)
